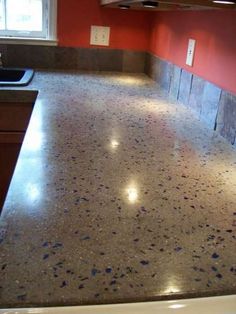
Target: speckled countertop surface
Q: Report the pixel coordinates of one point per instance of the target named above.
(118, 196)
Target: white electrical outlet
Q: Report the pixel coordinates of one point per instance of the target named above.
(100, 35)
(190, 52)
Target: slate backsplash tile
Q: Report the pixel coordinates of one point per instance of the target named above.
(42, 56)
(153, 68)
(110, 60)
(87, 59)
(175, 82)
(30, 56)
(226, 120)
(19, 56)
(165, 75)
(210, 103)
(196, 94)
(133, 61)
(185, 87)
(147, 65)
(65, 58)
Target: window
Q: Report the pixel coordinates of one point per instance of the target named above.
(28, 19)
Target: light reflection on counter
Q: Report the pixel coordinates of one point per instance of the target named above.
(35, 311)
(29, 178)
(177, 306)
(33, 191)
(114, 144)
(128, 80)
(172, 285)
(131, 193)
(34, 139)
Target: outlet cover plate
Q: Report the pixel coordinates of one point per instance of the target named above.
(190, 52)
(100, 35)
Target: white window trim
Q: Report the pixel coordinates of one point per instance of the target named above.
(27, 41)
(52, 25)
(51, 39)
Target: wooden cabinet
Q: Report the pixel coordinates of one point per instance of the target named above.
(15, 116)
(14, 119)
(10, 144)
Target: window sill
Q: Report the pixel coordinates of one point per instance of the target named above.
(28, 41)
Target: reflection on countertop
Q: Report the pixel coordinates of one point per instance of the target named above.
(118, 196)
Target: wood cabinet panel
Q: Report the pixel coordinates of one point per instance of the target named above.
(8, 157)
(14, 116)
(15, 110)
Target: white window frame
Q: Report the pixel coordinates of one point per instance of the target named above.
(47, 37)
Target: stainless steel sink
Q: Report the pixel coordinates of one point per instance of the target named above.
(15, 76)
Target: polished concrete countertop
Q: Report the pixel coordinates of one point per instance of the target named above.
(118, 196)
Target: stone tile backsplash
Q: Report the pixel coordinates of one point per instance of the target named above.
(196, 94)
(210, 99)
(226, 118)
(185, 87)
(212, 105)
(175, 83)
(89, 59)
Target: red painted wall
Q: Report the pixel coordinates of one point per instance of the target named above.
(129, 29)
(215, 33)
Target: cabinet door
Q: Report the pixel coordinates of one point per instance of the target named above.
(14, 116)
(10, 144)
